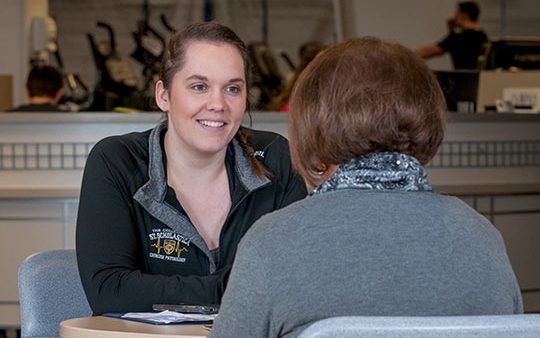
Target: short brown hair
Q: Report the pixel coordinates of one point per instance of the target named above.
(44, 80)
(470, 8)
(362, 96)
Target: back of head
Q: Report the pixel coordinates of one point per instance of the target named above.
(44, 81)
(362, 96)
(470, 8)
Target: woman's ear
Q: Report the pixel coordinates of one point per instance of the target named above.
(162, 96)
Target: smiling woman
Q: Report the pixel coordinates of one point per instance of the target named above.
(205, 100)
(162, 212)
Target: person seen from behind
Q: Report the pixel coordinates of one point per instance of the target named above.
(44, 88)
(373, 238)
(307, 53)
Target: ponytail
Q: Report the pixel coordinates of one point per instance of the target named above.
(243, 138)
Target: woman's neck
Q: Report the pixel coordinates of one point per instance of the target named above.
(202, 188)
(190, 168)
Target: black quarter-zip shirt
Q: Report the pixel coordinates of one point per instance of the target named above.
(136, 245)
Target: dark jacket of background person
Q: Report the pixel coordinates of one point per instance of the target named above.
(45, 107)
(373, 238)
(135, 244)
(465, 47)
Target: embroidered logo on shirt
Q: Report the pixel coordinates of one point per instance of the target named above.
(168, 245)
(259, 153)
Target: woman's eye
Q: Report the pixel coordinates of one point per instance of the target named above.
(198, 87)
(233, 89)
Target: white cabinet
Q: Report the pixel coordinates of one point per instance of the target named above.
(28, 226)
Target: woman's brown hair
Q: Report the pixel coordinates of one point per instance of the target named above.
(362, 96)
(174, 59)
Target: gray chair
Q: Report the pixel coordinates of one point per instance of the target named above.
(503, 326)
(50, 291)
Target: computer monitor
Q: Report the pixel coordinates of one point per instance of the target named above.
(460, 89)
(492, 84)
(510, 53)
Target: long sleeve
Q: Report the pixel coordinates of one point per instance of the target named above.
(246, 309)
(109, 249)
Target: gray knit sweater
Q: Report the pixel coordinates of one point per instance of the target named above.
(365, 252)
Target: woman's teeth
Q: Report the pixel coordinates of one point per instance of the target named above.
(214, 124)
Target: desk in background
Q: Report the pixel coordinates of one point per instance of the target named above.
(104, 327)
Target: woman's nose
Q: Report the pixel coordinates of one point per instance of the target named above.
(216, 101)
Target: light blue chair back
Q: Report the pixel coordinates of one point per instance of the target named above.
(50, 291)
(503, 326)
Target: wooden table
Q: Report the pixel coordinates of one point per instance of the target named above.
(105, 327)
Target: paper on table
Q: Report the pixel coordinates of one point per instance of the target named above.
(167, 317)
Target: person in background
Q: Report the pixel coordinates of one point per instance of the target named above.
(44, 88)
(307, 53)
(161, 212)
(465, 40)
(373, 237)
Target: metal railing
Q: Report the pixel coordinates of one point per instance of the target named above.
(452, 154)
(484, 154)
(43, 156)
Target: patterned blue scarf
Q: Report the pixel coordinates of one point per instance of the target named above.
(388, 171)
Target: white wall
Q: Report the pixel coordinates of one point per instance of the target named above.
(15, 16)
(414, 23)
(11, 33)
